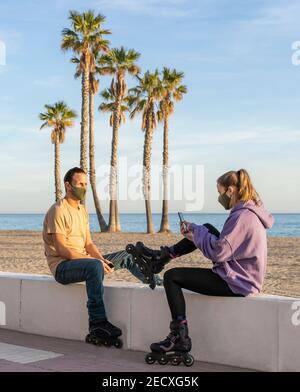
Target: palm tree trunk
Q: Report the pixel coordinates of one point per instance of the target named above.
(112, 216)
(147, 177)
(117, 217)
(164, 225)
(84, 118)
(101, 220)
(113, 209)
(58, 192)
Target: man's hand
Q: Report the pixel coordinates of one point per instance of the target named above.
(107, 266)
(187, 234)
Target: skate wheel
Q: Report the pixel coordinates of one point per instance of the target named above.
(88, 339)
(149, 359)
(129, 248)
(118, 343)
(175, 361)
(163, 360)
(189, 360)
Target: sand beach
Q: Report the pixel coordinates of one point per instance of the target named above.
(23, 251)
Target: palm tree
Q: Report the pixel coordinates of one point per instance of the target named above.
(84, 37)
(58, 117)
(95, 69)
(110, 106)
(142, 99)
(173, 90)
(119, 62)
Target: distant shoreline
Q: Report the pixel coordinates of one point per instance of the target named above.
(153, 213)
(123, 232)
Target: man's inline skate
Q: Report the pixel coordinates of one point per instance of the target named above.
(149, 261)
(103, 333)
(174, 349)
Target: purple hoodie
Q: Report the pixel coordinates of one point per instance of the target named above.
(239, 255)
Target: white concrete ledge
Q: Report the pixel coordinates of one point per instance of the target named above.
(255, 332)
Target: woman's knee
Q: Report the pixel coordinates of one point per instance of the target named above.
(171, 275)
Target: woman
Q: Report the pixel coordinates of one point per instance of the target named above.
(238, 255)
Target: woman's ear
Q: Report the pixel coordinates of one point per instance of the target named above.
(230, 191)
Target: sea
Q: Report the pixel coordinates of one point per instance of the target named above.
(286, 225)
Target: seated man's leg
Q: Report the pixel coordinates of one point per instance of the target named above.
(91, 271)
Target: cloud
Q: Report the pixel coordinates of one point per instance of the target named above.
(7, 98)
(13, 129)
(12, 41)
(275, 20)
(49, 81)
(283, 14)
(5, 158)
(270, 136)
(166, 8)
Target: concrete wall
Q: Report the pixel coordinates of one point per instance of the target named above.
(260, 332)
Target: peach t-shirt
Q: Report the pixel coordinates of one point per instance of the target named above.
(62, 218)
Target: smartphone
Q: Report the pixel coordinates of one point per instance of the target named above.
(181, 218)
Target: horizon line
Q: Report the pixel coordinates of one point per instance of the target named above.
(144, 213)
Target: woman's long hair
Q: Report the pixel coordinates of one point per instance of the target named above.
(242, 181)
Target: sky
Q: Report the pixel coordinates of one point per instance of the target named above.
(241, 109)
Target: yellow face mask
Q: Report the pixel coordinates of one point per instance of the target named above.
(79, 192)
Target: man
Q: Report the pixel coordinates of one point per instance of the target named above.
(73, 257)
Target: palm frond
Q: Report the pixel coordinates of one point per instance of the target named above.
(59, 117)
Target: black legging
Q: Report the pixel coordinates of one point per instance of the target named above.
(200, 280)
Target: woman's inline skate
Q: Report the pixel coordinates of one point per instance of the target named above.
(103, 333)
(149, 261)
(174, 349)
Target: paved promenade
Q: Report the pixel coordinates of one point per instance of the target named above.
(33, 353)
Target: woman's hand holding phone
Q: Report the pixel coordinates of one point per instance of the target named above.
(184, 227)
(186, 233)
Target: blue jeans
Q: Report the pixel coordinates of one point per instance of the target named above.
(91, 271)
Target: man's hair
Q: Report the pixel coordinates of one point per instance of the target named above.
(70, 173)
